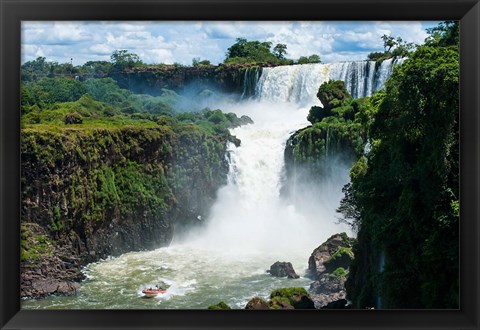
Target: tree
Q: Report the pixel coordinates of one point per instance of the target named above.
(388, 42)
(97, 68)
(122, 59)
(333, 94)
(314, 58)
(279, 51)
(445, 34)
(392, 47)
(244, 51)
(197, 62)
(405, 198)
(32, 70)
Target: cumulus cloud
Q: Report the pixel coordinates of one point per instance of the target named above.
(168, 42)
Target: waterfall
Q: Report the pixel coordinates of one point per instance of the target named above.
(250, 78)
(299, 83)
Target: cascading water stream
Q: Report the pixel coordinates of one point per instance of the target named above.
(299, 83)
(250, 226)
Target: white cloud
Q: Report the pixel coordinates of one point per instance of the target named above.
(168, 42)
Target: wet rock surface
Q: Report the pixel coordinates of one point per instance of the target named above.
(282, 269)
(328, 267)
(257, 303)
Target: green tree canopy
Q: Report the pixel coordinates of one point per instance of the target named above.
(314, 58)
(279, 51)
(404, 198)
(122, 59)
(392, 47)
(244, 51)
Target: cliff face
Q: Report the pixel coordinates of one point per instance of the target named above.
(91, 193)
(151, 80)
(316, 152)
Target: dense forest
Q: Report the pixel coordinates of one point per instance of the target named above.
(404, 193)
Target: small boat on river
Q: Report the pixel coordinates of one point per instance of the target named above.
(150, 293)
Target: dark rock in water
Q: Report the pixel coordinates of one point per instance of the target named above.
(337, 304)
(257, 303)
(282, 269)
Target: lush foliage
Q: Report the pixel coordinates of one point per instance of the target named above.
(122, 60)
(393, 47)
(404, 193)
(251, 52)
(244, 51)
(314, 58)
(34, 244)
(339, 128)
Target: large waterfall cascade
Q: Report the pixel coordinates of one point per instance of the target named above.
(299, 83)
(249, 227)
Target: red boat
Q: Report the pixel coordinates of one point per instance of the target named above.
(150, 293)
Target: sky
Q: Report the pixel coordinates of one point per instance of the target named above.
(180, 42)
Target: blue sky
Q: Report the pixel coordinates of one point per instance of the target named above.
(169, 42)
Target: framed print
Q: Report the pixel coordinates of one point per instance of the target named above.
(178, 164)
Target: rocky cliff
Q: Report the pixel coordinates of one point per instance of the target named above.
(151, 80)
(88, 193)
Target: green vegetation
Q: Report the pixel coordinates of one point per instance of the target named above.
(34, 244)
(255, 52)
(295, 296)
(340, 272)
(220, 306)
(196, 62)
(342, 258)
(123, 60)
(393, 47)
(246, 52)
(97, 98)
(314, 58)
(339, 129)
(404, 193)
(341, 252)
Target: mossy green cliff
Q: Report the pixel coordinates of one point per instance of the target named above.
(88, 193)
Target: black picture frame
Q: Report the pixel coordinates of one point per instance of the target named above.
(14, 11)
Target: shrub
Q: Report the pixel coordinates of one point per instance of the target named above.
(72, 118)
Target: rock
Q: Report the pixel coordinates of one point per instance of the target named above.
(282, 269)
(56, 239)
(257, 303)
(327, 284)
(45, 287)
(328, 266)
(337, 304)
(280, 303)
(325, 251)
(220, 305)
(342, 258)
(296, 297)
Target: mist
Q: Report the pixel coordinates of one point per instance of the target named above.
(249, 215)
(197, 95)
